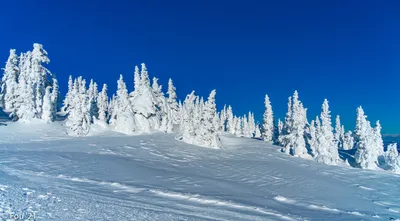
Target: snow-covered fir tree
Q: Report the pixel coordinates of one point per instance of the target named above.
(102, 104)
(268, 128)
(67, 99)
(326, 152)
(48, 106)
(207, 133)
(292, 136)
(257, 133)
(122, 119)
(367, 153)
(78, 120)
(55, 97)
(222, 119)
(246, 127)
(93, 94)
(339, 132)
(9, 82)
(252, 124)
(143, 103)
(348, 140)
(312, 138)
(279, 127)
(230, 124)
(187, 127)
(392, 158)
(172, 102)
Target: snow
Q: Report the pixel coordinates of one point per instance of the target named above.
(111, 176)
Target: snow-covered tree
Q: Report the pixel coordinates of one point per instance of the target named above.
(252, 124)
(9, 83)
(367, 153)
(143, 103)
(67, 99)
(187, 127)
(377, 138)
(280, 127)
(55, 97)
(38, 75)
(172, 102)
(348, 140)
(257, 132)
(312, 138)
(102, 104)
(238, 126)
(207, 133)
(292, 136)
(122, 119)
(392, 158)
(230, 124)
(268, 132)
(48, 106)
(339, 133)
(78, 120)
(222, 121)
(246, 127)
(326, 151)
(93, 94)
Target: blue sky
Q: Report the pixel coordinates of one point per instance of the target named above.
(345, 51)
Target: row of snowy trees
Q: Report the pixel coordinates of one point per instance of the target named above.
(29, 91)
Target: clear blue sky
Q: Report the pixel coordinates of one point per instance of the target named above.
(345, 51)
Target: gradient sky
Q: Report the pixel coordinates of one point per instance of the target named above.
(345, 51)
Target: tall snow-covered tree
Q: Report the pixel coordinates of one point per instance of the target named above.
(327, 152)
(312, 139)
(207, 134)
(268, 132)
(48, 106)
(102, 104)
(67, 99)
(38, 75)
(123, 119)
(339, 133)
(252, 124)
(78, 120)
(293, 133)
(187, 127)
(55, 97)
(367, 154)
(172, 102)
(144, 104)
(93, 94)
(230, 124)
(9, 83)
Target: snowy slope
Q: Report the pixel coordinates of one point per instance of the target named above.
(109, 176)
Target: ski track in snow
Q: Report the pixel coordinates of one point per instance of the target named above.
(155, 177)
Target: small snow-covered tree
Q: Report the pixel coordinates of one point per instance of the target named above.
(222, 121)
(26, 109)
(102, 104)
(377, 138)
(9, 85)
(268, 132)
(257, 133)
(312, 139)
(187, 129)
(392, 158)
(280, 127)
(48, 107)
(246, 127)
(348, 140)
(367, 154)
(173, 104)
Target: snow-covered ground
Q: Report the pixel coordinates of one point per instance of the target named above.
(109, 176)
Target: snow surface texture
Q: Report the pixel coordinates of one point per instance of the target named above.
(110, 176)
